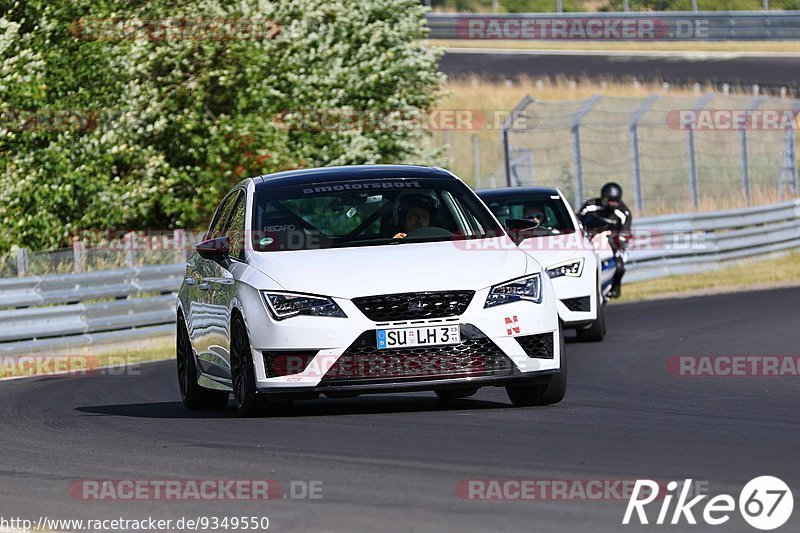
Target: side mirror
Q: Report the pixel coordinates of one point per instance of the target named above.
(214, 249)
(520, 229)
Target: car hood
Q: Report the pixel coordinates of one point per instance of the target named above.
(387, 269)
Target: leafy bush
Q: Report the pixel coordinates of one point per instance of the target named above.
(161, 128)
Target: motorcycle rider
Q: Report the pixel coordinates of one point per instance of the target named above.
(610, 208)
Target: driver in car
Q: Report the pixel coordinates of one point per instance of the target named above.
(415, 211)
(534, 213)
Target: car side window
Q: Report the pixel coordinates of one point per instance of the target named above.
(235, 229)
(218, 224)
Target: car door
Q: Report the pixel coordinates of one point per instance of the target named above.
(206, 317)
(219, 285)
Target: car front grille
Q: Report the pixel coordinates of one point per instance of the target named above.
(537, 346)
(414, 305)
(477, 355)
(578, 304)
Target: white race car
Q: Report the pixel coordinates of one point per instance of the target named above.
(580, 268)
(363, 279)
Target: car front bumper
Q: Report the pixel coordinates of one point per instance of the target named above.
(328, 339)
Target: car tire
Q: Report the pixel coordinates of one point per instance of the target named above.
(597, 330)
(548, 393)
(455, 394)
(243, 379)
(193, 395)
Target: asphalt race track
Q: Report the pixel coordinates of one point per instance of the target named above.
(391, 463)
(766, 70)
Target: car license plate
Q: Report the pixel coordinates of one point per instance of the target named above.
(426, 336)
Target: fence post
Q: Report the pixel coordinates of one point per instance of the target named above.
(701, 103)
(625, 6)
(559, 6)
(129, 241)
(577, 164)
(179, 241)
(504, 130)
(743, 163)
(789, 171)
(23, 262)
(694, 6)
(476, 160)
(448, 142)
(636, 167)
(78, 255)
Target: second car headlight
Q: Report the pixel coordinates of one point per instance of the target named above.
(288, 304)
(572, 268)
(528, 288)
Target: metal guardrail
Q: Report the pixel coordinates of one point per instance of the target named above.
(71, 311)
(698, 242)
(662, 26)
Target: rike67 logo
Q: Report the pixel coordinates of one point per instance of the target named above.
(765, 503)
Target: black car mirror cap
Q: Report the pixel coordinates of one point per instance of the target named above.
(214, 249)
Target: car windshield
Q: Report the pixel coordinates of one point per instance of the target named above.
(364, 212)
(548, 209)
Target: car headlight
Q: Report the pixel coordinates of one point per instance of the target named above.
(572, 268)
(528, 288)
(288, 304)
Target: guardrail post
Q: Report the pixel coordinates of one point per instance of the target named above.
(129, 241)
(504, 130)
(792, 141)
(636, 167)
(743, 163)
(690, 149)
(78, 255)
(577, 163)
(23, 262)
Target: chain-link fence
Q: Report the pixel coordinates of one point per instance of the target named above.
(94, 252)
(670, 154)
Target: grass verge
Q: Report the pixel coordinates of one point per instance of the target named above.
(749, 275)
(91, 361)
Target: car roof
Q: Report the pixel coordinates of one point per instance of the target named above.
(331, 174)
(511, 192)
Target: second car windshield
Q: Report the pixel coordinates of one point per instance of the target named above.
(367, 212)
(548, 209)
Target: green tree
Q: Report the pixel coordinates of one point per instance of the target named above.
(161, 128)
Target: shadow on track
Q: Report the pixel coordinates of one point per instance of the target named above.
(301, 408)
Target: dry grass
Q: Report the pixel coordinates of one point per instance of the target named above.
(747, 275)
(497, 98)
(89, 360)
(617, 46)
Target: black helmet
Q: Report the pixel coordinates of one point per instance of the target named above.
(422, 201)
(611, 192)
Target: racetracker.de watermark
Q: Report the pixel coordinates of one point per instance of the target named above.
(194, 489)
(596, 28)
(553, 489)
(15, 366)
(175, 29)
(733, 119)
(315, 120)
(728, 366)
(52, 120)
